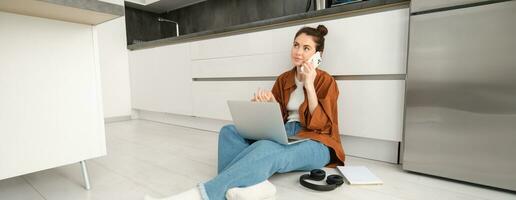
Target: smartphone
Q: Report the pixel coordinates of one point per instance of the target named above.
(315, 60)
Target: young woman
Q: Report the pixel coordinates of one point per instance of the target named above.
(308, 101)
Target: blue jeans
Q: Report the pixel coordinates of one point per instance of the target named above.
(244, 162)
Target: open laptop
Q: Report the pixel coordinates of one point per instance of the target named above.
(260, 121)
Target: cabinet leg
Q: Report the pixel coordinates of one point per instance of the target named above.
(85, 175)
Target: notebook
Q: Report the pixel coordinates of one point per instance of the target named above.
(359, 175)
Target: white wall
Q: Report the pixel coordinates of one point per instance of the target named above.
(114, 65)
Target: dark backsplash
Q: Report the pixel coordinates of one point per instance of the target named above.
(213, 14)
(207, 15)
(141, 25)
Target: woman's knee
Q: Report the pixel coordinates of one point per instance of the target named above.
(229, 129)
(229, 132)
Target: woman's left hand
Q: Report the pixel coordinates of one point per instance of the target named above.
(309, 73)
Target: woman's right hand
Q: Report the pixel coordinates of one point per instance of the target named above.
(263, 96)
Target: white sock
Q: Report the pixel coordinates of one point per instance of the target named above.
(260, 191)
(192, 194)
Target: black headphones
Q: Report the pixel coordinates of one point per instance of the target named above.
(333, 181)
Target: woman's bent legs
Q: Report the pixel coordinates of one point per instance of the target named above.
(230, 145)
(262, 159)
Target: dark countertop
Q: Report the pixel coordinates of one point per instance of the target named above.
(369, 6)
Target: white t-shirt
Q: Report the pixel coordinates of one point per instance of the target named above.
(297, 97)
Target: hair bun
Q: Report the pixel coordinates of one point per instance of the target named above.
(322, 29)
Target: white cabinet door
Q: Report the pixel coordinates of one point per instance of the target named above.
(367, 44)
(261, 42)
(161, 79)
(210, 97)
(371, 108)
(262, 65)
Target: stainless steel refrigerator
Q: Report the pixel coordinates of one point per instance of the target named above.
(460, 113)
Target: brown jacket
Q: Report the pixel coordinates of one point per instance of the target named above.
(322, 124)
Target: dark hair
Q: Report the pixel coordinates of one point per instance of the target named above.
(317, 33)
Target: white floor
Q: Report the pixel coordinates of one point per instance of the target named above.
(159, 159)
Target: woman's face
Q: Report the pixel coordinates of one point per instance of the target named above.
(302, 49)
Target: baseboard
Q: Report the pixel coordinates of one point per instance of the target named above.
(200, 123)
(117, 119)
(373, 149)
(381, 150)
